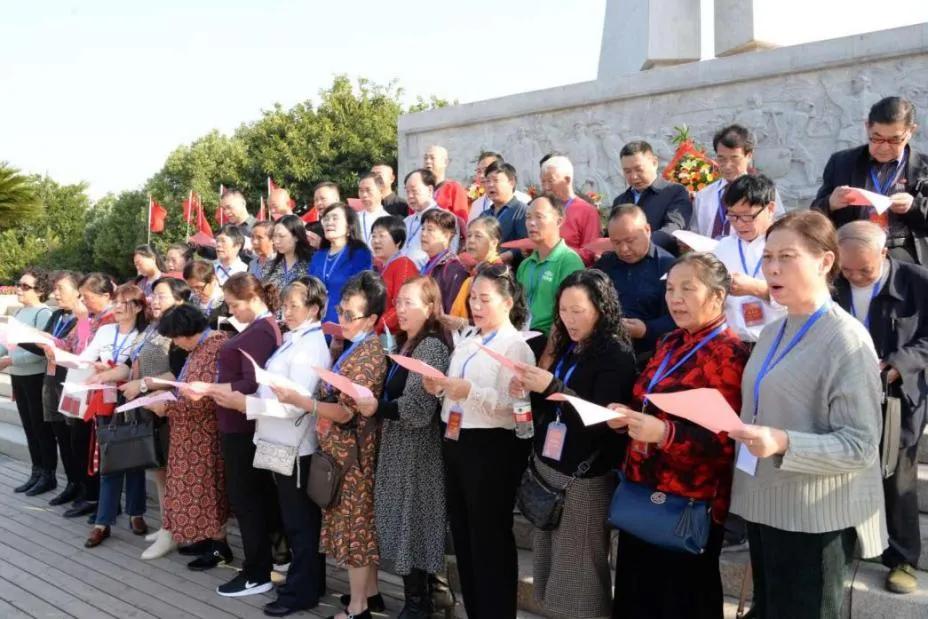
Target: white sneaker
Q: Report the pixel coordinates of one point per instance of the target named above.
(163, 545)
(153, 535)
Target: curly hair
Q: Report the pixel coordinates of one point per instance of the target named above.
(602, 295)
(42, 285)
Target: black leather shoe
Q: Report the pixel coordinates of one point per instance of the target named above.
(195, 549)
(375, 603)
(46, 482)
(219, 553)
(67, 495)
(362, 615)
(276, 609)
(81, 508)
(36, 474)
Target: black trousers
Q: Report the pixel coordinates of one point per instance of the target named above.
(43, 451)
(80, 448)
(901, 490)
(302, 521)
(51, 394)
(654, 583)
(482, 470)
(799, 575)
(253, 500)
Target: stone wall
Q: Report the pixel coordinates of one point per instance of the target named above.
(803, 102)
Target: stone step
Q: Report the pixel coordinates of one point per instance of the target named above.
(6, 387)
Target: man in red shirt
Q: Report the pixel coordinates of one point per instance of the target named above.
(449, 194)
(581, 219)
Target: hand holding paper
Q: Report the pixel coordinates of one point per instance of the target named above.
(590, 413)
(521, 244)
(705, 407)
(352, 390)
(263, 377)
(196, 388)
(696, 242)
(69, 360)
(419, 367)
(506, 362)
(879, 201)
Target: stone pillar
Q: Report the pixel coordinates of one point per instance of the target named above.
(745, 26)
(641, 34)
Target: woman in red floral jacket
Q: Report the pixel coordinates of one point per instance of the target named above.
(672, 455)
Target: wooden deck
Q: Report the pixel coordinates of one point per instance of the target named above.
(45, 571)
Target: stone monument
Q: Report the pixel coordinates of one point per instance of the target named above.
(803, 101)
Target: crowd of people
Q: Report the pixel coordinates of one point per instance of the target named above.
(811, 325)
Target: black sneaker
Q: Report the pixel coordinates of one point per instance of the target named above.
(219, 553)
(240, 586)
(375, 603)
(196, 548)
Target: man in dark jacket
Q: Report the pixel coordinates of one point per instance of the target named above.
(889, 297)
(888, 165)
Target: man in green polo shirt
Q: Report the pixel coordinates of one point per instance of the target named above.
(541, 273)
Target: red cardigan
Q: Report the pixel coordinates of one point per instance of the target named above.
(395, 275)
(581, 226)
(694, 462)
(451, 196)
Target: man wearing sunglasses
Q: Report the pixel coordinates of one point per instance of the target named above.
(887, 165)
(750, 203)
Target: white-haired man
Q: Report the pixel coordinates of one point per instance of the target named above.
(581, 219)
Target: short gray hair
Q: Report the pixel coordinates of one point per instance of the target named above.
(863, 231)
(709, 269)
(559, 163)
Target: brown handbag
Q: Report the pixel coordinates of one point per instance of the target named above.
(324, 482)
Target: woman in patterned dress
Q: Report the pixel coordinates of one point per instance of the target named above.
(409, 497)
(348, 531)
(293, 252)
(196, 506)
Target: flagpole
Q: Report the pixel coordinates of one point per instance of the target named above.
(220, 205)
(189, 213)
(148, 228)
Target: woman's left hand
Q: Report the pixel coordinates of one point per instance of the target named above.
(366, 406)
(457, 389)
(286, 395)
(645, 428)
(762, 441)
(229, 399)
(535, 379)
(195, 391)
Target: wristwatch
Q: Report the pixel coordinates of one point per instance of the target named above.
(143, 386)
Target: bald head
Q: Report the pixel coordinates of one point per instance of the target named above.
(861, 252)
(436, 161)
(629, 233)
(278, 203)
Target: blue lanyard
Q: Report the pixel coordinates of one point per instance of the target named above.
(149, 334)
(182, 377)
(61, 327)
(432, 263)
(560, 364)
(290, 273)
(487, 205)
(882, 188)
(485, 341)
(417, 219)
(567, 205)
(118, 349)
(326, 269)
(290, 341)
(661, 374)
(723, 219)
(876, 291)
(744, 263)
(225, 271)
(341, 358)
(770, 363)
(390, 373)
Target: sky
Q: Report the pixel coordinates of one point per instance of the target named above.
(103, 90)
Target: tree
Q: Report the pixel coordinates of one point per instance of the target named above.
(18, 200)
(117, 224)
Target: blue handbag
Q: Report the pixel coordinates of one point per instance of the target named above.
(666, 520)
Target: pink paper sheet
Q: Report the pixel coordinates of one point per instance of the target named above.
(155, 398)
(506, 362)
(590, 413)
(174, 383)
(332, 328)
(419, 367)
(704, 407)
(879, 201)
(352, 390)
(599, 246)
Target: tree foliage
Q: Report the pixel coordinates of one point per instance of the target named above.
(19, 203)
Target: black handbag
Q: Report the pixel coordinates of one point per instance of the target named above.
(541, 503)
(324, 482)
(127, 442)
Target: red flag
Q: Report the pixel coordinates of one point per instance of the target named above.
(156, 216)
(262, 211)
(311, 216)
(202, 223)
(188, 208)
(218, 216)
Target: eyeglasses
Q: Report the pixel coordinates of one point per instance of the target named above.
(346, 315)
(126, 304)
(893, 141)
(744, 218)
(23, 286)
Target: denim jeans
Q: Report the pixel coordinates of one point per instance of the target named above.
(110, 491)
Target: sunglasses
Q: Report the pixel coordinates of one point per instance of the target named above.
(23, 286)
(346, 315)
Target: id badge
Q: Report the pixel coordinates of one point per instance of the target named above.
(453, 429)
(323, 426)
(110, 396)
(747, 462)
(50, 367)
(554, 440)
(753, 313)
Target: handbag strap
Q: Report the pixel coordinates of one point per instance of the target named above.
(354, 454)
